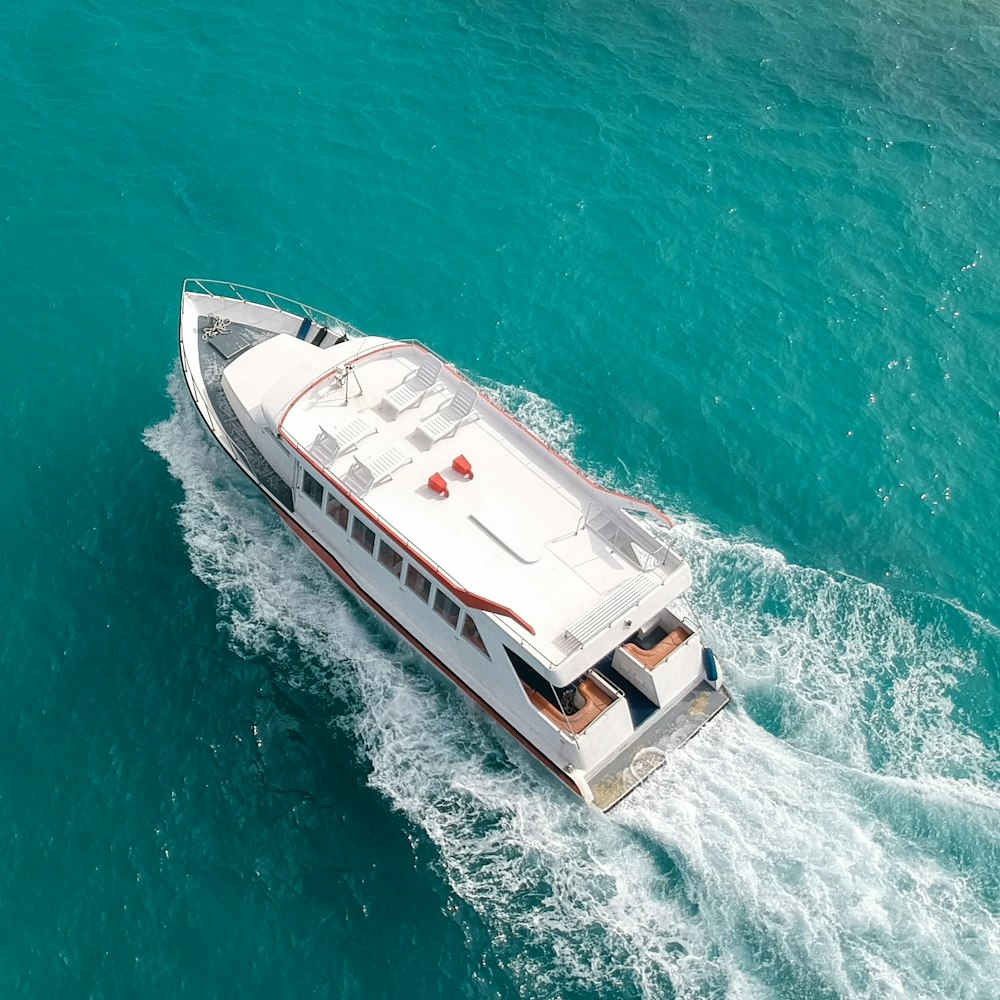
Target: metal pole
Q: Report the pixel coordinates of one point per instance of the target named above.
(569, 725)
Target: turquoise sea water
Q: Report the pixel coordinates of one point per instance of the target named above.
(737, 258)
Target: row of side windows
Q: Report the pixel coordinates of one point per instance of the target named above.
(392, 560)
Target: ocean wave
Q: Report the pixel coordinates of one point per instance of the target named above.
(829, 832)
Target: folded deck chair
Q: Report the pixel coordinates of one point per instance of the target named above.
(330, 444)
(450, 415)
(375, 469)
(412, 389)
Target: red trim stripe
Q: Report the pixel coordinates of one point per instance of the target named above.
(334, 566)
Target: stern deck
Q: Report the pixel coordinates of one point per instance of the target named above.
(625, 772)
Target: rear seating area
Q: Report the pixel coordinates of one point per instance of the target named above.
(653, 657)
(596, 700)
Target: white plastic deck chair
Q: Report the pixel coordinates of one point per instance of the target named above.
(374, 469)
(412, 389)
(331, 444)
(450, 415)
(359, 479)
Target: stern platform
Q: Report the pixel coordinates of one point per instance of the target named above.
(624, 773)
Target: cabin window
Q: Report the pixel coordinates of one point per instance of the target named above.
(390, 559)
(446, 608)
(363, 535)
(470, 631)
(418, 583)
(337, 511)
(312, 488)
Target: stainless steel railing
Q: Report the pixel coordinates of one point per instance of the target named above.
(262, 297)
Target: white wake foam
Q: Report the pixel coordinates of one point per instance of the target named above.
(536, 413)
(847, 668)
(796, 870)
(839, 854)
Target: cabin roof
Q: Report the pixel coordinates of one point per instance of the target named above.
(524, 529)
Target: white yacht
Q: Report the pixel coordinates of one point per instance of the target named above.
(554, 604)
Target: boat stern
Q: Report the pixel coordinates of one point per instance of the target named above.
(625, 772)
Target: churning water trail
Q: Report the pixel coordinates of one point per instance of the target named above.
(830, 834)
(799, 876)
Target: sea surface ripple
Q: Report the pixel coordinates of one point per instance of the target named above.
(738, 258)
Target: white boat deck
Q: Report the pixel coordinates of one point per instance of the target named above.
(513, 533)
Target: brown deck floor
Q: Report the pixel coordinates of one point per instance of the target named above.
(651, 658)
(596, 698)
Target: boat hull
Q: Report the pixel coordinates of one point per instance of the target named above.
(603, 784)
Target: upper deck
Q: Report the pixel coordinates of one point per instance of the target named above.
(378, 418)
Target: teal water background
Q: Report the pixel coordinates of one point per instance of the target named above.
(737, 258)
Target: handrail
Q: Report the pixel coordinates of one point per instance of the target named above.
(600, 680)
(215, 288)
(206, 410)
(625, 529)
